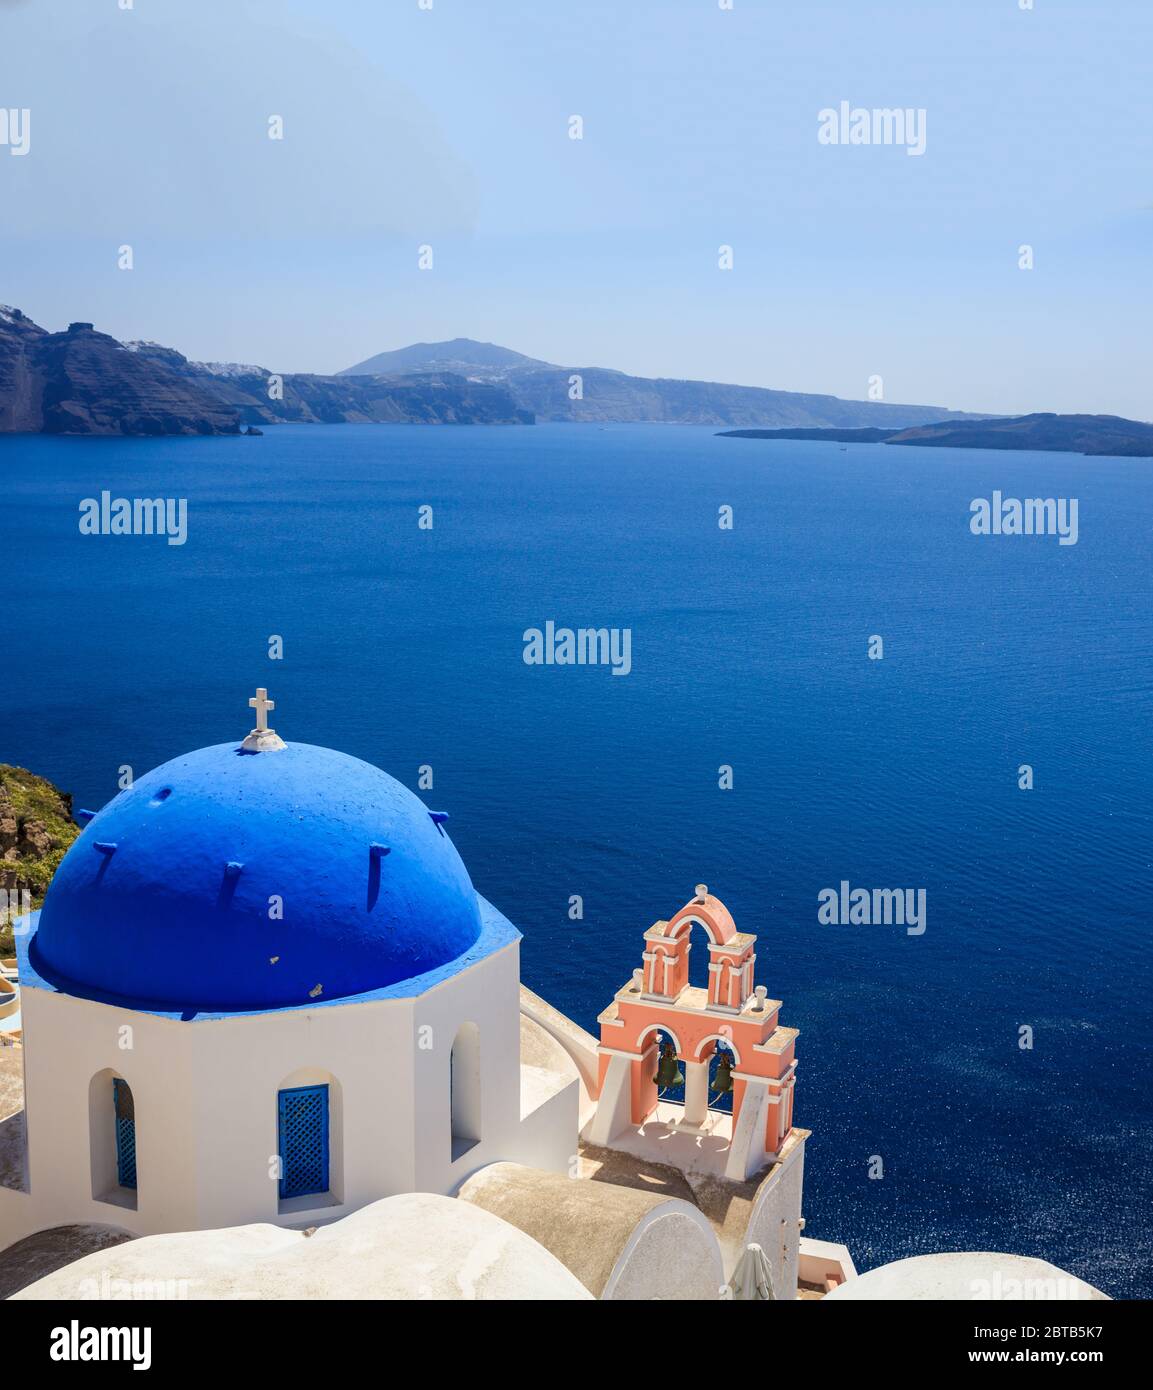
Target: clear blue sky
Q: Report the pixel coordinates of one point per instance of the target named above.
(449, 127)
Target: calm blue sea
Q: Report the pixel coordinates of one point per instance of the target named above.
(749, 648)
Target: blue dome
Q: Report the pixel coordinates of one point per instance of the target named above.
(164, 900)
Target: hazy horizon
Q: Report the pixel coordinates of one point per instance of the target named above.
(449, 127)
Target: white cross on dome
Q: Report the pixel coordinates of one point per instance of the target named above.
(262, 739)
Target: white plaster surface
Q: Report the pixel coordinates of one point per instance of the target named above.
(414, 1246)
(205, 1094)
(967, 1275)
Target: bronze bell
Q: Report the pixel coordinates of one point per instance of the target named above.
(668, 1073)
(723, 1081)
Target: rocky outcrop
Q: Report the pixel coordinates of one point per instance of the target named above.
(84, 382)
(94, 385)
(21, 387)
(36, 827)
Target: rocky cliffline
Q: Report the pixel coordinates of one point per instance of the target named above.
(21, 385)
(85, 382)
(430, 397)
(613, 397)
(94, 385)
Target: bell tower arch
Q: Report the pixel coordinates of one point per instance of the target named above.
(732, 1015)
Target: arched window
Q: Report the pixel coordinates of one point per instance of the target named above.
(112, 1139)
(699, 941)
(302, 1141)
(125, 1112)
(464, 1089)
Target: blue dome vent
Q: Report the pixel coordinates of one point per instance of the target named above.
(228, 880)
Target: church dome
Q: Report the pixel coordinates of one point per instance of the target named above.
(232, 880)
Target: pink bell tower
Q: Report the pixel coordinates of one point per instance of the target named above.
(732, 1011)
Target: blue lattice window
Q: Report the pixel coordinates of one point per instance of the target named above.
(125, 1108)
(302, 1126)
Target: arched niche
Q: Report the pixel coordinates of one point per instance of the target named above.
(113, 1131)
(464, 1089)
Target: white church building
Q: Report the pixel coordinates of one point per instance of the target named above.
(276, 1045)
(263, 988)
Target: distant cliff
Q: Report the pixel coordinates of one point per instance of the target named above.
(609, 397)
(84, 382)
(1077, 434)
(432, 398)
